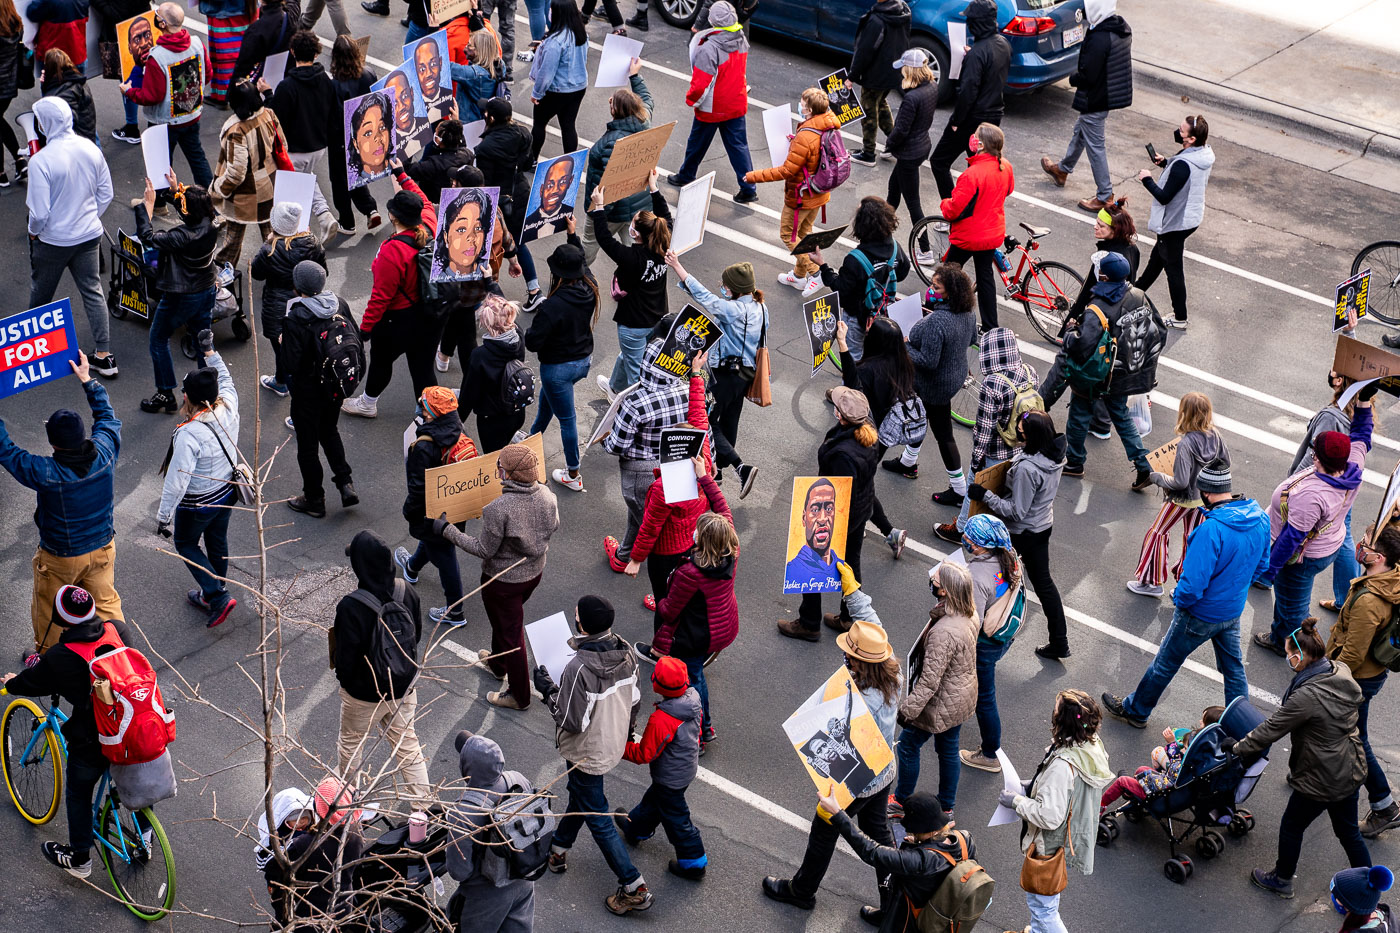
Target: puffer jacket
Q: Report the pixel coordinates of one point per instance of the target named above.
(198, 471)
(1031, 483)
(1194, 452)
(671, 742)
(72, 87)
(882, 36)
(185, 253)
(273, 266)
(1327, 761)
(942, 675)
(719, 65)
(1104, 77)
(1370, 603)
(1063, 802)
(62, 25)
(982, 81)
(977, 208)
(804, 154)
(619, 211)
(667, 527)
(938, 349)
(1138, 328)
(9, 66)
(595, 708)
(699, 615)
(243, 177)
(441, 433)
(841, 454)
(908, 141)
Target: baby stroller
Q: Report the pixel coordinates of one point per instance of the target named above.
(399, 883)
(1208, 793)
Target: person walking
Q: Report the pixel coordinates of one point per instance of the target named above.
(981, 85)
(75, 502)
(907, 142)
(719, 97)
(275, 266)
(179, 52)
(61, 78)
(245, 174)
(201, 482)
(885, 376)
(1326, 761)
(448, 152)
(69, 189)
(311, 14)
(869, 274)
(373, 697)
(938, 349)
(475, 82)
(1102, 81)
(1332, 418)
(976, 212)
(504, 156)
(351, 78)
(484, 388)
(11, 42)
(1178, 207)
(882, 35)
(629, 112)
(227, 21)
(59, 24)
(270, 32)
(559, 75)
(1228, 548)
(305, 104)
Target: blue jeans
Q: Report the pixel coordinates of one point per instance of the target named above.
(539, 18)
(1345, 569)
(192, 311)
(186, 136)
(557, 400)
(527, 266)
(209, 522)
(696, 668)
(1088, 136)
(1377, 787)
(416, 32)
(131, 111)
(631, 342)
(586, 796)
(1293, 594)
(443, 555)
(1186, 634)
(666, 807)
(907, 749)
(734, 134)
(1045, 913)
(988, 719)
(1081, 412)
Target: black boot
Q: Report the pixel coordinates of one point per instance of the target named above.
(1389, 341)
(316, 508)
(348, 496)
(163, 400)
(377, 7)
(639, 20)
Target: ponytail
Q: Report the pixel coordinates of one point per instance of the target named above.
(867, 435)
(757, 295)
(421, 236)
(654, 232)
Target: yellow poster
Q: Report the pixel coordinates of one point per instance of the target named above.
(838, 740)
(816, 534)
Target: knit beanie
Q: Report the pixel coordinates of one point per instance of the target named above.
(65, 429)
(309, 277)
(519, 463)
(73, 605)
(1214, 478)
(923, 813)
(1359, 889)
(1332, 449)
(671, 678)
(722, 14)
(285, 218)
(407, 208)
(202, 386)
(739, 278)
(595, 614)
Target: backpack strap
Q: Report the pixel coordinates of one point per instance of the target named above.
(365, 598)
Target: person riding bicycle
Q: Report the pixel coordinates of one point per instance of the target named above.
(61, 671)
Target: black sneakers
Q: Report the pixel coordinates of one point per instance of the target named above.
(63, 857)
(1114, 706)
(747, 474)
(104, 366)
(316, 508)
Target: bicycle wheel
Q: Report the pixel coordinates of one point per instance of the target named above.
(926, 260)
(33, 761)
(143, 876)
(1383, 296)
(1047, 291)
(965, 402)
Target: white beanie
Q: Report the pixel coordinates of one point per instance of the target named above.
(285, 218)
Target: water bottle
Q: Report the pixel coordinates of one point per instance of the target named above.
(1002, 262)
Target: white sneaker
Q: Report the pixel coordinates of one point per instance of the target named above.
(925, 257)
(606, 385)
(814, 285)
(329, 226)
(563, 478)
(359, 407)
(442, 362)
(792, 281)
(1145, 589)
(289, 424)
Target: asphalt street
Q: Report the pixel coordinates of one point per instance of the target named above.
(1278, 236)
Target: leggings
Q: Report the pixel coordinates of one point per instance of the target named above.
(904, 183)
(940, 422)
(403, 332)
(1169, 253)
(986, 281)
(7, 135)
(1156, 544)
(1034, 548)
(565, 107)
(343, 197)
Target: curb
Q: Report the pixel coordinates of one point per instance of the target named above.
(1293, 121)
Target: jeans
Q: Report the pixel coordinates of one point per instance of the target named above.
(983, 265)
(209, 522)
(1299, 815)
(868, 813)
(83, 777)
(1293, 594)
(416, 32)
(586, 795)
(1185, 635)
(505, 610)
(733, 133)
(696, 668)
(907, 749)
(1377, 787)
(961, 520)
(1088, 136)
(317, 421)
(1169, 253)
(729, 388)
(186, 136)
(539, 18)
(1034, 548)
(988, 718)
(193, 311)
(1045, 913)
(877, 116)
(631, 342)
(666, 807)
(1345, 569)
(557, 400)
(443, 556)
(46, 265)
(1081, 412)
(131, 111)
(855, 334)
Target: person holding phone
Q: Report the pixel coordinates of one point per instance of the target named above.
(1178, 206)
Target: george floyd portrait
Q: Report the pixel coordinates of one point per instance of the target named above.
(816, 534)
(135, 39)
(369, 138)
(412, 128)
(466, 222)
(553, 194)
(426, 63)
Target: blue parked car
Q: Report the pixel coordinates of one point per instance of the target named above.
(1045, 35)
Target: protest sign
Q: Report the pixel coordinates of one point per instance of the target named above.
(692, 333)
(1361, 361)
(30, 28)
(132, 297)
(463, 489)
(298, 188)
(426, 60)
(274, 69)
(906, 312)
(993, 479)
(605, 423)
(819, 317)
(1388, 503)
(1163, 459)
(957, 43)
(413, 131)
(632, 160)
(678, 447)
(818, 239)
(363, 43)
(369, 137)
(553, 194)
(440, 11)
(838, 740)
(466, 224)
(692, 211)
(473, 132)
(777, 127)
(616, 60)
(1350, 305)
(155, 150)
(549, 643)
(36, 347)
(816, 534)
(135, 39)
(845, 105)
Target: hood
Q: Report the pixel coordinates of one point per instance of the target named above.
(444, 429)
(605, 653)
(895, 13)
(1090, 762)
(175, 41)
(725, 40)
(88, 631)
(1112, 292)
(322, 306)
(53, 116)
(1096, 11)
(305, 73)
(821, 122)
(999, 353)
(1240, 515)
(373, 564)
(651, 378)
(1386, 585)
(724, 570)
(1116, 25)
(1052, 461)
(981, 18)
(685, 707)
(504, 344)
(1350, 479)
(481, 762)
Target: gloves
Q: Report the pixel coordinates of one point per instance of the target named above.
(1007, 799)
(440, 524)
(364, 335)
(205, 340)
(1227, 745)
(978, 467)
(976, 491)
(544, 683)
(848, 579)
(1368, 393)
(163, 529)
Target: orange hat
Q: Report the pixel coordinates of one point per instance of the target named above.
(671, 678)
(438, 400)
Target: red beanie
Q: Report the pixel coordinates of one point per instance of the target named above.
(671, 678)
(1332, 449)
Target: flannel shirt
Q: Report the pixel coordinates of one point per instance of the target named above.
(660, 402)
(999, 358)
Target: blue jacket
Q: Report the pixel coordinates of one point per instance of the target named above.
(560, 66)
(473, 85)
(75, 505)
(1223, 555)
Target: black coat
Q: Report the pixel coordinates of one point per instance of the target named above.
(1128, 251)
(112, 12)
(266, 36)
(307, 107)
(916, 869)
(185, 261)
(504, 157)
(273, 265)
(300, 355)
(1104, 79)
(72, 89)
(433, 171)
(373, 564)
(442, 432)
(909, 141)
(842, 455)
(9, 66)
(485, 372)
(882, 36)
(562, 330)
(984, 68)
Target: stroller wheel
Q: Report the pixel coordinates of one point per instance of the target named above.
(240, 328)
(1177, 869)
(187, 347)
(1237, 827)
(114, 304)
(1246, 817)
(1133, 815)
(1210, 844)
(1108, 831)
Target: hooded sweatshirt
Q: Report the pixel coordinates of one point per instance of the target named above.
(1318, 503)
(300, 356)
(69, 185)
(486, 372)
(640, 272)
(718, 83)
(1369, 605)
(984, 69)
(1002, 372)
(671, 742)
(1031, 483)
(441, 432)
(305, 103)
(353, 629)
(482, 764)
(517, 523)
(1103, 79)
(595, 708)
(882, 36)
(1194, 452)
(1228, 549)
(662, 401)
(1064, 795)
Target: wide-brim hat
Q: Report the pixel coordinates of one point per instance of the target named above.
(865, 641)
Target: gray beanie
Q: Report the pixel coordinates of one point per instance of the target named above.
(1214, 478)
(285, 218)
(308, 278)
(722, 14)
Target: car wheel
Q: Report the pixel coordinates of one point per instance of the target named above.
(678, 12)
(938, 61)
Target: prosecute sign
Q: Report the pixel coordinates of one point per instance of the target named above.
(36, 347)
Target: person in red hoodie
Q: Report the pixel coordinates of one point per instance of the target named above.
(719, 95)
(62, 25)
(172, 88)
(977, 213)
(394, 320)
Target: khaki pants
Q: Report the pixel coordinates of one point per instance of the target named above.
(804, 217)
(94, 571)
(620, 230)
(395, 719)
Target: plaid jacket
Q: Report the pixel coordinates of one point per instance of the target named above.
(661, 401)
(1002, 371)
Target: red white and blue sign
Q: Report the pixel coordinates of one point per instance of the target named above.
(36, 347)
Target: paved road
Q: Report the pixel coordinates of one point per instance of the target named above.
(1277, 235)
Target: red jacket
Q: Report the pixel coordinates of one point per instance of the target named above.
(721, 57)
(977, 208)
(152, 89)
(395, 267)
(62, 25)
(670, 528)
(699, 614)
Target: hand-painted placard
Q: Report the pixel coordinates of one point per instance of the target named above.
(1361, 361)
(838, 740)
(632, 160)
(692, 333)
(463, 489)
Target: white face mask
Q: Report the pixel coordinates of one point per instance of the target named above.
(632, 232)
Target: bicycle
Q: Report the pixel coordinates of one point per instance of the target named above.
(139, 862)
(1046, 289)
(1383, 296)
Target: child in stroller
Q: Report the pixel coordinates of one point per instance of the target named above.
(1210, 787)
(1162, 774)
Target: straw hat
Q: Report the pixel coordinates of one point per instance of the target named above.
(865, 641)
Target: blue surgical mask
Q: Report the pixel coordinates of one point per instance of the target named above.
(724, 289)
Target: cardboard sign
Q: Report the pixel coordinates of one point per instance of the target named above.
(1361, 361)
(993, 478)
(845, 103)
(616, 61)
(838, 740)
(553, 194)
(363, 43)
(549, 643)
(633, 157)
(1351, 300)
(818, 239)
(692, 333)
(463, 489)
(777, 128)
(440, 11)
(817, 520)
(298, 188)
(605, 423)
(131, 292)
(692, 212)
(36, 347)
(678, 447)
(1163, 459)
(819, 316)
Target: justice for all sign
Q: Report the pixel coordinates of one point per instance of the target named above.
(36, 347)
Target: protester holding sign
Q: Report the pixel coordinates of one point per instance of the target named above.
(869, 274)
(629, 111)
(172, 87)
(352, 78)
(275, 266)
(559, 74)
(1332, 418)
(504, 156)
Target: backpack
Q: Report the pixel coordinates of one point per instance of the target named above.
(960, 900)
(905, 423)
(392, 651)
(523, 829)
(435, 298)
(833, 163)
(1014, 607)
(342, 357)
(133, 724)
(1385, 647)
(517, 386)
(878, 294)
(1026, 399)
(461, 449)
(1091, 375)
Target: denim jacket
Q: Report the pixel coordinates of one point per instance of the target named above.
(199, 471)
(560, 66)
(473, 86)
(741, 321)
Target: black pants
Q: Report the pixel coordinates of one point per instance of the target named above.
(987, 279)
(495, 431)
(1034, 548)
(614, 16)
(563, 106)
(1169, 253)
(409, 333)
(316, 419)
(950, 147)
(940, 424)
(869, 814)
(1299, 815)
(460, 333)
(659, 567)
(729, 388)
(343, 196)
(7, 135)
(904, 183)
(809, 613)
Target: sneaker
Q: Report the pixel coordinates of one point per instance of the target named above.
(271, 384)
(888, 156)
(948, 531)
(162, 401)
(4, 179)
(375, 219)
(1266, 640)
(62, 856)
(504, 700)
(1142, 480)
(975, 759)
(925, 257)
(402, 558)
(874, 916)
(442, 362)
(895, 539)
(893, 808)
(1073, 470)
(1145, 589)
(864, 158)
(22, 165)
(533, 300)
(1114, 707)
(1272, 883)
(649, 602)
(606, 385)
(358, 407)
(746, 197)
(814, 285)
(708, 735)
(105, 366)
(1378, 821)
(692, 873)
(329, 226)
(525, 55)
(1101, 435)
(747, 474)
(781, 890)
(1178, 323)
(316, 508)
(349, 498)
(129, 134)
(1051, 653)
(644, 651)
(563, 478)
(949, 497)
(197, 600)
(895, 465)
(798, 282)
(791, 628)
(623, 901)
(217, 616)
(442, 615)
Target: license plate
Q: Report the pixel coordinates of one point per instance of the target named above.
(1073, 36)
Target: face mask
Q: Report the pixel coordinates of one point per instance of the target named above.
(724, 289)
(1176, 135)
(805, 113)
(421, 412)
(632, 232)
(967, 549)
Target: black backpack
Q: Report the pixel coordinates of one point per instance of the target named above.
(517, 385)
(392, 652)
(435, 298)
(342, 357)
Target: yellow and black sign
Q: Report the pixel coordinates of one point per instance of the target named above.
(819, 315)
(131, 294)
(693, 333)
(1351, 301)
(845, 105)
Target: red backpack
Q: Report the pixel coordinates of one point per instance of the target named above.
(133, 725)
(461, 449)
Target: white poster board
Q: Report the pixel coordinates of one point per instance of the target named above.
(777, 127)
(957, 39)
(275, 69)
(692, 210)
(473, 131)
(1011, 783)
(605, 423)
(616, 61)
(155, 149)
(906, 312)
(296, 187)
(549, 642)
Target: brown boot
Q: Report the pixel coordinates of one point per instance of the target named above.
(795, 629)
(505, 700)
(836, 623)
(1054, 171)
(1093, 205)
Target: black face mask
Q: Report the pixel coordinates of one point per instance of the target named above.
(1176, 134)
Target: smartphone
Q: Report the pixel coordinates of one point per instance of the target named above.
(1152, 153)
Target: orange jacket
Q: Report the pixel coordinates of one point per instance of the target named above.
(803, 153)
(459, 33)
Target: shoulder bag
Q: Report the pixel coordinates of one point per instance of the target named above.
(1046, 875)
(760, 389)
(243, 479)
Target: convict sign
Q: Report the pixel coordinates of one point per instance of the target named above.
(36, 347)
